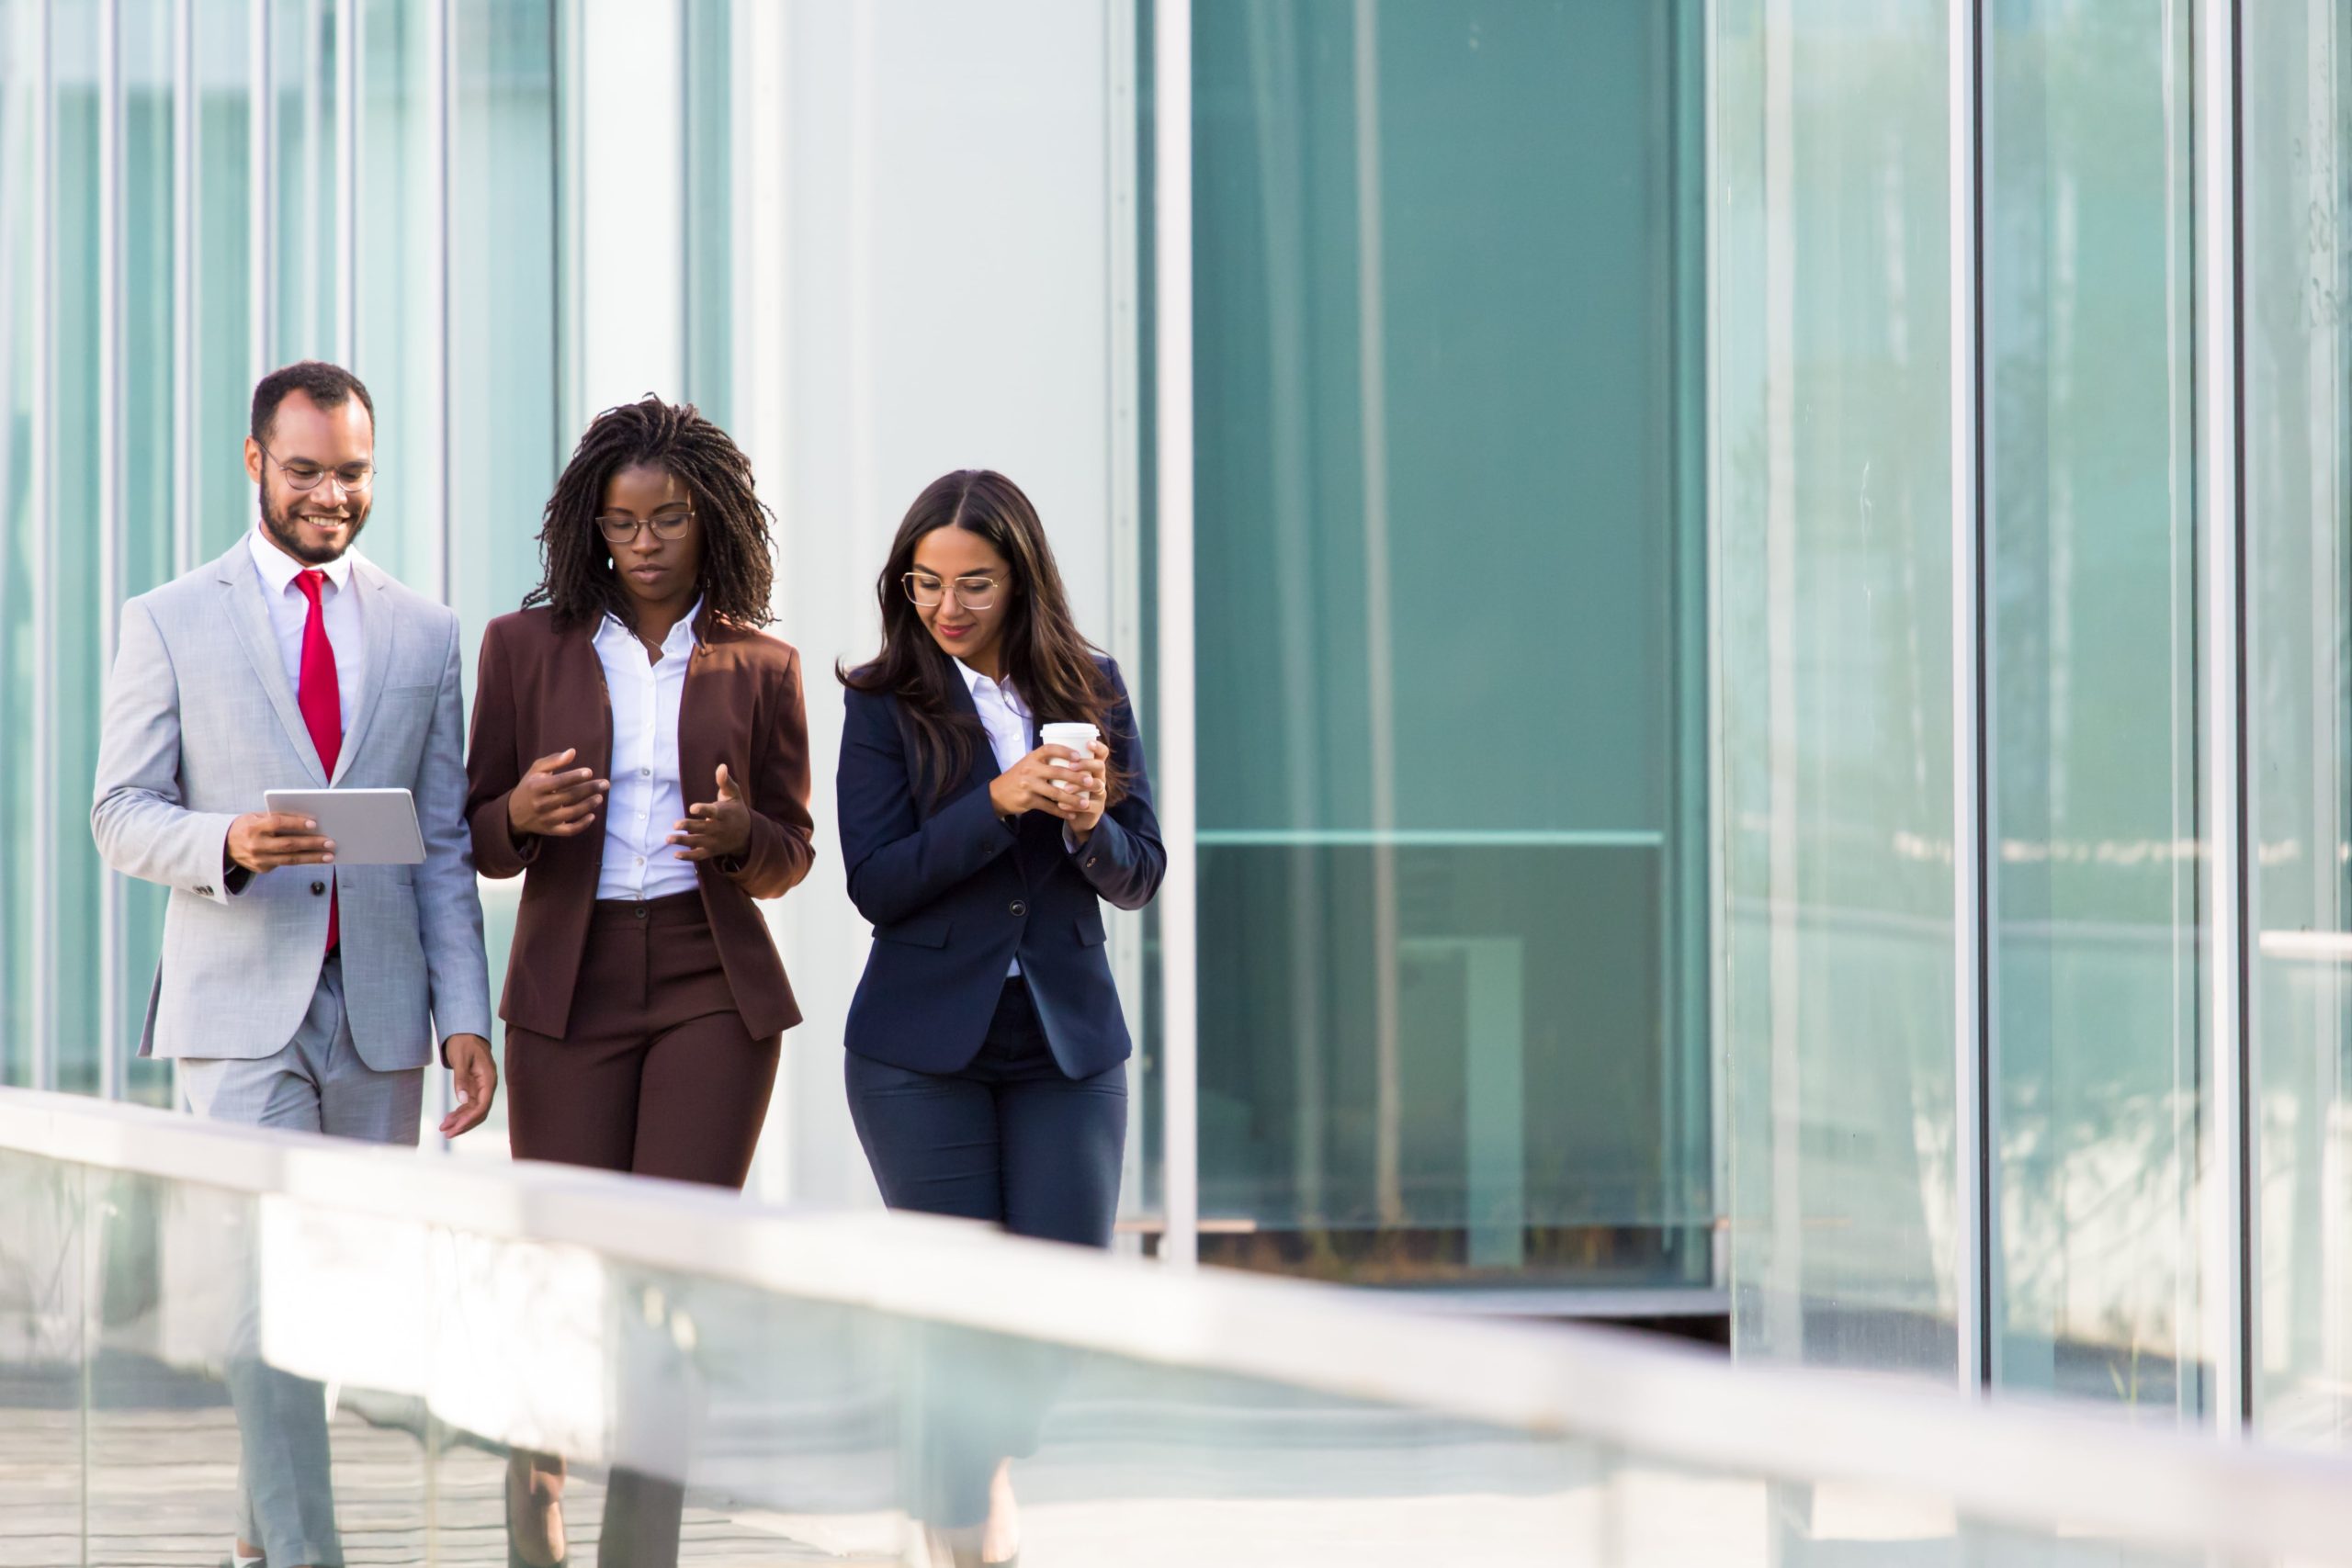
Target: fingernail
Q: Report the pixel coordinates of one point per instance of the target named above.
(330, 859)
(309, 827)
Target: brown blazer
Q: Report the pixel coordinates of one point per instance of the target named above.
(539, 690)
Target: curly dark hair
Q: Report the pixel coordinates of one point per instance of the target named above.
(738, 571)
(1049, 662)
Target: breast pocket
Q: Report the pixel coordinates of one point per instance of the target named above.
(403, 716)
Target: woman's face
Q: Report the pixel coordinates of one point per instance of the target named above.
(655, 571)
(970, 590)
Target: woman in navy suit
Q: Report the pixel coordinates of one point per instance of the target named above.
(987, 1051)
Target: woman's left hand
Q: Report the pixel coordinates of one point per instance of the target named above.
(1094, 781)
(721, 829)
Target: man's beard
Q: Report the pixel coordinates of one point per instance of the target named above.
(281, 527)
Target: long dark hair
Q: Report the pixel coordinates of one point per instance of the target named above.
(1049, 664)
(577, 577)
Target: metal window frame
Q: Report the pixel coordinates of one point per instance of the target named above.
(1177, 792)
(110, 520)
(2228, 1186)
(42, 1066)
(1969, 520)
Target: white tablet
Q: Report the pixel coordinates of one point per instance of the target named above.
(370, 826)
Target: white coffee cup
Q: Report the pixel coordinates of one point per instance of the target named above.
(1079, 737)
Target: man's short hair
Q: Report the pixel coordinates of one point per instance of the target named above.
(329, 386)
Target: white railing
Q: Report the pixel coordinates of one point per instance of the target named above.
(2027, 1465)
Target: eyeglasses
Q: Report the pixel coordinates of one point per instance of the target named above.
(972, 592)
(352, 477)
(619, 528)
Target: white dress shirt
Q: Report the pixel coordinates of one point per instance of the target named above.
(290, 610)
(1006, 719)
(648, 799)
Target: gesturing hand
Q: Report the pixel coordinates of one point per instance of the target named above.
(477, 1078)
(1034, 783)
(264, 840)
(721, 829)
(551, 804)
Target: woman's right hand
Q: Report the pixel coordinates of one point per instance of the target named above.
(554, 804)
(1034, 784)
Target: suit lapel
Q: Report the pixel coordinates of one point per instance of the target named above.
(376, 628)
(584, 691)
(983, 770)
(1029, 842)
(249, 613)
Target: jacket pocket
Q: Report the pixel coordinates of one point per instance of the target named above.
(915, 933)
(1090, 929)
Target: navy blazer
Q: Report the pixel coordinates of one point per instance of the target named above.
(955, 895)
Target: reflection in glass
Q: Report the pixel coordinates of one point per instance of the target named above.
(2297, 275)
(1832, 402)
(1452, 1020)
(2093, 663)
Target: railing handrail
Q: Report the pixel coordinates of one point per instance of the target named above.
(2010, 1461)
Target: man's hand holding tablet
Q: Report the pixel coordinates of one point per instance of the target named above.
(356, 826)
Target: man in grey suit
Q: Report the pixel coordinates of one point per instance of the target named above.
(294, 992)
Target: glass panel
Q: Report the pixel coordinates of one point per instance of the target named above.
(2093, 655)
(21, 397)
(1449, 1028)
(146, 395)
(709, 237)
(307, 284)
(43, 1354)
(153, 1330)
(221, 286)
(505, 446)
(399, 338)
(72, 587)
(1833, 512)
(2297, 107)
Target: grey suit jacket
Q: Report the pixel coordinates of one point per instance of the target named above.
(200, 721)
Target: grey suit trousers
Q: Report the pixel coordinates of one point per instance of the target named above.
(316, 1083)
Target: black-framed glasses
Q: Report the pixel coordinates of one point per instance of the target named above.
(307, 476)
(972, 592)
(619, 528)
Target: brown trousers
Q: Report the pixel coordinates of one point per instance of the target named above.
(657, 1075)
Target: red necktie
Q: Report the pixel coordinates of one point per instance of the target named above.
(322, 702)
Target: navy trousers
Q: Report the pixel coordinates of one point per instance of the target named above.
(1009, 1139)
(1012, 1140)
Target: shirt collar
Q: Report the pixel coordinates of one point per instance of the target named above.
(280, 569)
(974, 680)
(681, 638)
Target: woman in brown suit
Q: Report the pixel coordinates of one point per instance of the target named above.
(639, 756)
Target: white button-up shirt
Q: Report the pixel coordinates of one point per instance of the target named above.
(290, 610)
(1006, 719)
(647, 799)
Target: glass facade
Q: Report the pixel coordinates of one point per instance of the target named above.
(2030, 526)
(1733, 754)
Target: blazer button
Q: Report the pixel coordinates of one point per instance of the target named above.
(318, 889)
(1019, 908)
